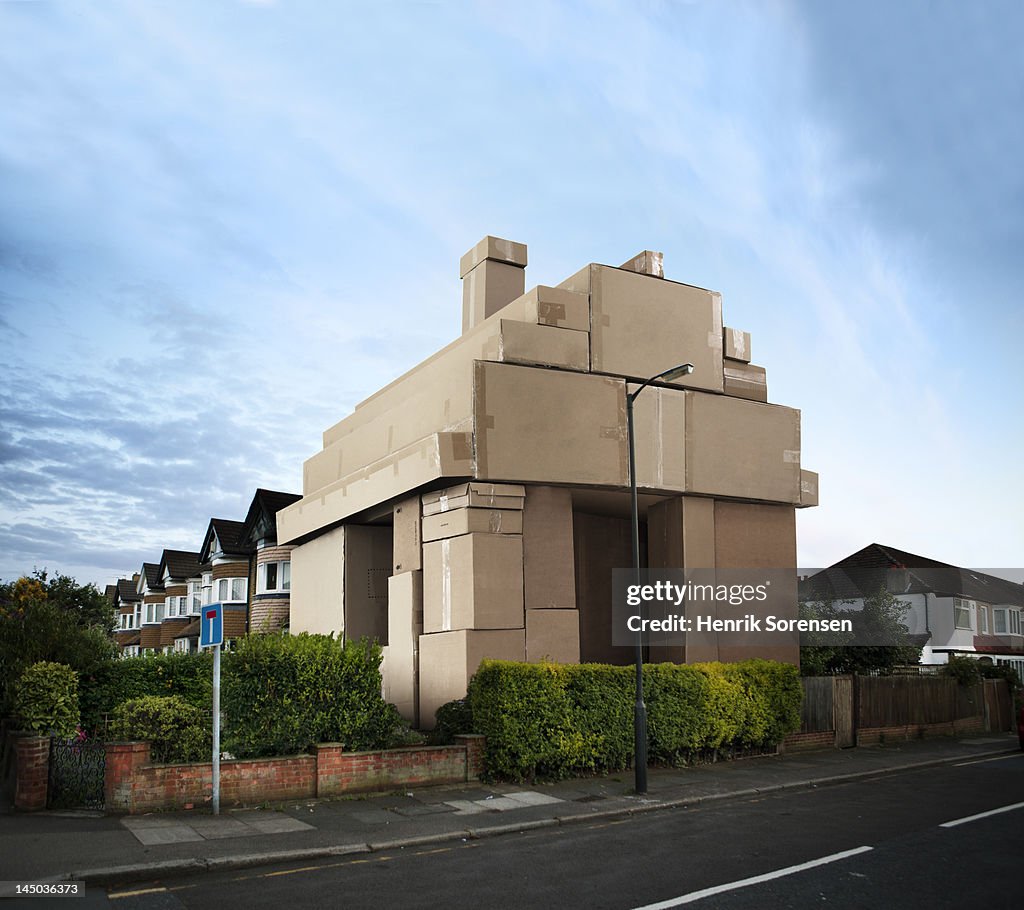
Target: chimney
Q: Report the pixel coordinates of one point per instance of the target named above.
(493, 274)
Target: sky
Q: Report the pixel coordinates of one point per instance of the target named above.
(223, 224)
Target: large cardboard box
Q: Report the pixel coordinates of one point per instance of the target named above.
(449, 659)
(549, 426)
(317, 597)
(744, 380)
(742, 449)
(737, 344)
(441, 455)
(659, 427)
(549, 580)
(473, 582)
(477, 494)
(642, 325)
(808, 489)
(471, 521)
(557, 307)
(553, 635)
(407, 536)
(405, 625)
(368, 561)
(487, 288)
(646, 262)
(526, 342)
(496, 249)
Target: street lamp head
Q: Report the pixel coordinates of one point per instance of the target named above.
(682, 370)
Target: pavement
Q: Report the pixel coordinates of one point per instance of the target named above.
(109, 849)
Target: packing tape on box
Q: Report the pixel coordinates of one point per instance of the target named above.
(551, 313)
(791, 456)
(446, 585)
(715, 335)
(494, 522)
(739, 343)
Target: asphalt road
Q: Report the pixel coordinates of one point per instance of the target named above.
(880, 843)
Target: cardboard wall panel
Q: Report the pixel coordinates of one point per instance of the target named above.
(744, 380)
(407, 536)
(318, 585)
(472, 521)
(405, 625)
(368, 561)
(553, 635)
(524, 342)
(601, 543)
(659, 426)
(549, 580)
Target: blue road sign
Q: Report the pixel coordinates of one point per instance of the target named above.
(211, 627)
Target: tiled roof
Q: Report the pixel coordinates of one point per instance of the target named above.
(265, 506)
(180, 564)
(126, 591)
(229, 533)
(153, 577)
(190, 631)
(879, 567)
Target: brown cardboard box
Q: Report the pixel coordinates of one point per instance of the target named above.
(808, 489)
(641, 325)
(742, 449)
(548, 578)
(408, 539)
(317, 597)
(646, 263)
(737, 344)
(659, 426)
(487, 288)
(405, 625)
(448, 661)
(524, 342)
(473, 582)
(437, 456)
(744, 380)
(601, 543)
(476, 494)
(471, 521)
(552, 306)
(553, 635)
(368, 560)
(549, 426)
(496, 249)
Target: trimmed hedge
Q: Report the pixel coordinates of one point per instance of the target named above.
(46, 699)
(282, 693)
(175, 730)
(189, 676)
(554, 720)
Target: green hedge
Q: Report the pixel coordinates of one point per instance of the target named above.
(46, 699)
(189, 676)
(175, 730)
(282, 693)
(553, 721)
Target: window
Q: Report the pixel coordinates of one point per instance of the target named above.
(223, 589)
(207, 588)
(151, 613)
(170, 606)
(1014, 622)
(138, 615)
(239, 588)
(195, 596)
(962, 613)
(181, 644)
(274, 576)
(999, 624)
(983, 619)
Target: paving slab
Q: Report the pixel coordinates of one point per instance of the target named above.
(167, 834)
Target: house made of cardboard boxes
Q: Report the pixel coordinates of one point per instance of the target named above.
(477, 505)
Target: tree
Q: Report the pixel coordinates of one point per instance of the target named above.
(879, 621)
(51, 619)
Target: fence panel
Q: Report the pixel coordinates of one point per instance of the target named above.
(817, 712)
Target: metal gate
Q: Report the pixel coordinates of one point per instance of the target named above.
(76, 774)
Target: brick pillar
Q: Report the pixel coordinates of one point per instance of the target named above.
(474, 744)
(330, 768)
(122, 761)
(32, 772)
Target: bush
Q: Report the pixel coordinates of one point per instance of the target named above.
(452, 718)
(551, 721)
(283, 693)
(1002, 671)
(46, 699)
(189, 676)
(175, 730)
(965, 670)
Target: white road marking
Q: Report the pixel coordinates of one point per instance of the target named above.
(755, 880)
(974, 818)
(981, 761)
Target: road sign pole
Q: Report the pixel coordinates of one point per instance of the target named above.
(216, 729)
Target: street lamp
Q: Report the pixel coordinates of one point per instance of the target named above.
(639, 708)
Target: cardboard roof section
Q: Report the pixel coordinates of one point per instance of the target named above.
(878, 567)
(529, 395)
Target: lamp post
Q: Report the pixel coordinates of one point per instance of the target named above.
(639, 708)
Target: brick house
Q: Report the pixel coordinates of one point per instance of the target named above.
(269, 607)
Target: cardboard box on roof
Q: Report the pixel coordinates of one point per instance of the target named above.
(548, 578)
(646, 262)
(449, 659)
(549, 426)
(472, 521)
(641, 325)
(744, 380)
(477, 494)
(408, 535)
(473, 582)
(553, 635)
(557, 307)
(496, 249)
(438, 456)
(525, 342)
(808, 489)
(737, 344)
(742, 449)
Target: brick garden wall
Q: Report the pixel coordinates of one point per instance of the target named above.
(134, 785)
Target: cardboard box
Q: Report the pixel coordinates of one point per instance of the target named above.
(552, 306)
(448, 661)
(405, 625)
(549, 580)
(524, 342)
(641, 325)
(646, 263)
(407, 536)
(742, 449)
(368, 560)
(472, 521)
(496, 249)
(317, 596)
(549, 426)
(438, 456)
(736, 344)
(744, 380)
(808, 489)
(553, 635)
(487, 288)
(659, 427)
(473, 582)
(476, 494)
